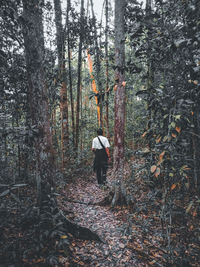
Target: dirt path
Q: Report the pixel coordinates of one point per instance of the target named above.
(110, 224)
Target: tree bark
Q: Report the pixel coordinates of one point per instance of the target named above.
(107, 72)
(62, 78)
(70, 73)
(79, 75)
(120, 101)
(37, 96)
(98, 67)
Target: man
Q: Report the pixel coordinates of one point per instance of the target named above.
(100, 146)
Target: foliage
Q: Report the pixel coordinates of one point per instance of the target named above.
(166, 41)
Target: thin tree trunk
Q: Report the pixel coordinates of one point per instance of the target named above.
(120, 98)
(94, 88)
(62, 76)
(70, 73)
(98, 66)
(79, 75)
(37, 92)
(107, 72)
(149, 61)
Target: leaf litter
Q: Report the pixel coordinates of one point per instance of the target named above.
(132, 235)
(110, 224)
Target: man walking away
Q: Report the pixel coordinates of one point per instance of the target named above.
(100, 146)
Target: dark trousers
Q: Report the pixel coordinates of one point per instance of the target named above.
(101, 174)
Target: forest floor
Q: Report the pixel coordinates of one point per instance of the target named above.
(108, 223)
(131, 235)
(123, 242)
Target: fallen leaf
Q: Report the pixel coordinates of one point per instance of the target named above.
(161, 156)
(178, 129)
(173, 186)
(63, 236)
(153, 168)
(157, 173)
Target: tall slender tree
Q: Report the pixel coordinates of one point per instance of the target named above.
(62, 78)
(107, 70)
(98, 66)
(120, 101)
(70, 71)
(37, 95)
(79, 73)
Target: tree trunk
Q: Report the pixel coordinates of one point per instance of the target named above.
(79, 75)
(107, 72)
(119, 98)
(70, 73)
(149, 37)
(98, 67)
(94, 88)
(37, 96)
(62, 77)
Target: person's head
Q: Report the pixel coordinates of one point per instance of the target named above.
(100, 131)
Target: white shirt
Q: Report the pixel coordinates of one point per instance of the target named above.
(96, 144)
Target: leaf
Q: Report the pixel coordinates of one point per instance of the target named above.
(165, 138)
(177, 117)
(178, 129)
(187, 185)
(144, 134)
(153, 168)
(64, 236)
(179, 42)
(173, 135)
(6, 192)
(161, 156)
(19, 185)
(189, 207)
(194, 214)
(157, 173)
(173, 186)
(121, 245)
(195, 82)
(158, 140)
(185, 168)
(173, 124)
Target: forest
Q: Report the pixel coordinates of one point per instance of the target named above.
(67, 69)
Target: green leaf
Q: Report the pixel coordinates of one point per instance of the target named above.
(173, 124)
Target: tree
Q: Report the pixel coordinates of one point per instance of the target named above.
(70, 71)
(107, 70)
(98, 67)
(79, 73)
(62, 77)
(120, 101)
(37, 96)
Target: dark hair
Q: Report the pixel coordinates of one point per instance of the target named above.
(99, 131)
